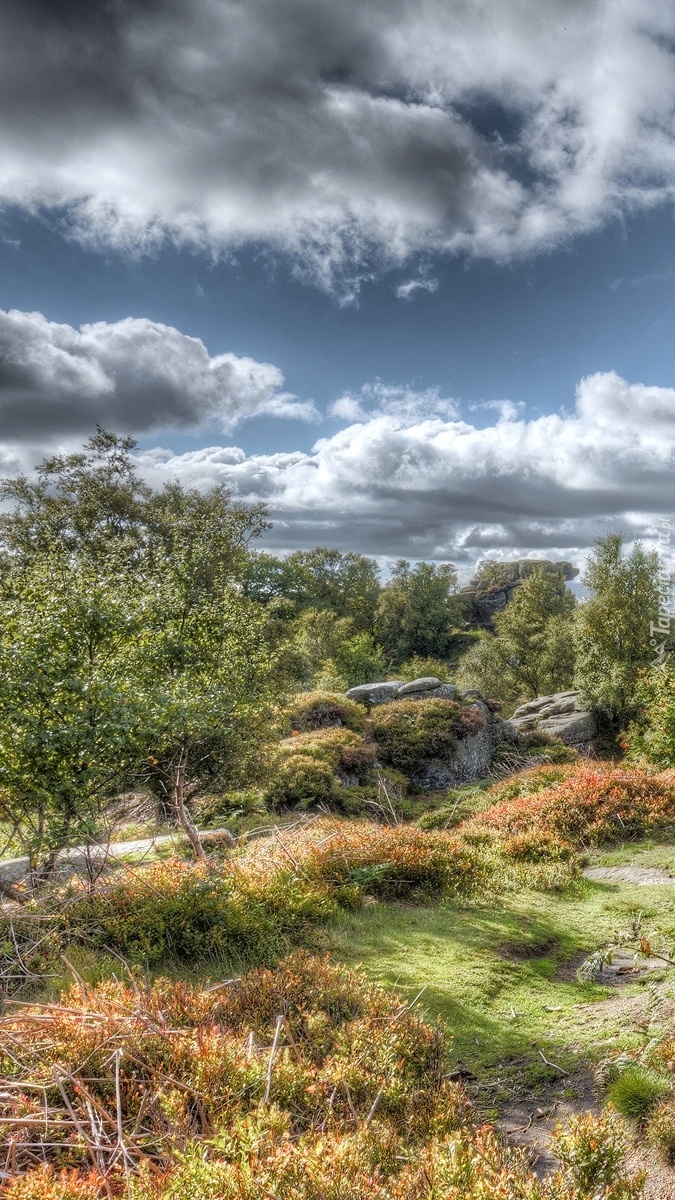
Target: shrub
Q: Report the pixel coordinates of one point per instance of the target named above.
(410, 732)
(589, 806)
(661, 1130)
(419, 865)
(457, 806)
(354, 1102)
(636, 1091)
(300, 781)
(192, 910)
(419, 667)
(590, 1149)
(325, 710)
(537, 846)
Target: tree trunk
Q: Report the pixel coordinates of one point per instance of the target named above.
(188, 825)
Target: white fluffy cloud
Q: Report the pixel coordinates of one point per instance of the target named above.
(134, 375)
(349, 135)
(443, 488)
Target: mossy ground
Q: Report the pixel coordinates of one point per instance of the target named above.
(502, 974)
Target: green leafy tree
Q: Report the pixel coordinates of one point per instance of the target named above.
(93, 503)
(417, 611)
(71, 720)
(359, 659)
(531, 652)
(126, 644)
(612, 627)
(344, 584)
(652, 736)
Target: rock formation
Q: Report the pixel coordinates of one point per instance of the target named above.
(482, 600)
(560, 715)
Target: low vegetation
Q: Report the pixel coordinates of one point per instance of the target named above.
(210, 1048)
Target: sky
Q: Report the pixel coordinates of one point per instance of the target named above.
(402, 270)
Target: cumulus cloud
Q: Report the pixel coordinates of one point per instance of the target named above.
(350, 135)
(443, 488)
(135, 375)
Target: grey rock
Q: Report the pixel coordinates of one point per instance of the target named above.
(472, 758)
(426, 684)
(572, 728)
(376, 693)
(447, 691)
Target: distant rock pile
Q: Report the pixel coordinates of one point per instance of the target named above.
(560, 715)
(426, 688)
(482, 600)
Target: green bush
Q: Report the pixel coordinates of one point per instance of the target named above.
(636, 1092)
(325, 710)
(189, 911)
(456, 807)
(300, 781)
(410, 732)
(419, 667)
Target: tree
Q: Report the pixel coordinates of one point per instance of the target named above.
(126, 647)
(71, 721)
(612, 627)
(345, 584)
(417, 611)
(531, 651)
(652, 735)
(93, 503)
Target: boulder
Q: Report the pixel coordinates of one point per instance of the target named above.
(471, 760)
(481, 602)
(574, 729)
(376, 693)
(559, 715)
(426, 684)
(447, 691)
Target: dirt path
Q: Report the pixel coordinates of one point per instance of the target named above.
(528, 1121)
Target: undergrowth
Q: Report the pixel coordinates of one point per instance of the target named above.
(298, 1083)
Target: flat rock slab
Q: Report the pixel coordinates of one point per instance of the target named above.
(642, 876)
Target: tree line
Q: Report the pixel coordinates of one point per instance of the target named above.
(146, 642)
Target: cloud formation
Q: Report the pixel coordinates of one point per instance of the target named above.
(434, 486)
(133, 375)
(350, 135)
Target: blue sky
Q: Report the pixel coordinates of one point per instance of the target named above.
(405, 272)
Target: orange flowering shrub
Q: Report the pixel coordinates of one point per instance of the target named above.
(587, 806)
(192, 910)
(299, 1083)
(392, 861)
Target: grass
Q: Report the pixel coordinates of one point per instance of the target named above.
(493, 970)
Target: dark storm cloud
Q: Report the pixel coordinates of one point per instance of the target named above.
(134, 375)
(337, 132)
(442, 488)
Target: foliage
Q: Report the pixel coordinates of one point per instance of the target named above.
(189, 911)
(612, 627)
(531, 651)
(126, 647)
(72, 724)
(346, 585)
(353, 1101)
(358, 659)
(420, 865)
(419, 667)
(590, 1149)
(652, 736)
(417, 611)
(323, 710)
(589, 806)
(301, 780)
(636, 1091)
(92, 503)
(409, 732)
(661, 1130)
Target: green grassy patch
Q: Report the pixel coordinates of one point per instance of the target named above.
(499, 972)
